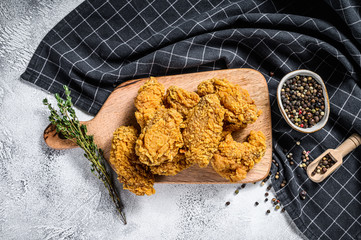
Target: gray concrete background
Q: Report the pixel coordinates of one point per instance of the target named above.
(48, 194)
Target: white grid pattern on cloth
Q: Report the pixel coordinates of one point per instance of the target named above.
(209, 35)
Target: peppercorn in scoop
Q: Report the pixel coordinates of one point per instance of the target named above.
(326, 163)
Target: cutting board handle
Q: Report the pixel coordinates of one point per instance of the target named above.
(55, 140)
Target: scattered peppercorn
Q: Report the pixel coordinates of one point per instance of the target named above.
(303, 194)
(256, 203)
(303, 101)
(243, 185)
(305, 160)
(269, 187)
(268, 212)
(266, 199)
(227, 203)
(266, 179)
(283, 210)
(266, 194)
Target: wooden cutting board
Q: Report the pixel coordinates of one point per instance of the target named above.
(119, 110)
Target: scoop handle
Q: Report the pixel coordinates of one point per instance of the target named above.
(349, 144)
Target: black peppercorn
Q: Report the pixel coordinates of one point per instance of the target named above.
(303, 194)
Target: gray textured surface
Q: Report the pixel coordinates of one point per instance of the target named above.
(47, 194)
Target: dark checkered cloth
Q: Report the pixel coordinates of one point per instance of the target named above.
(104, 43)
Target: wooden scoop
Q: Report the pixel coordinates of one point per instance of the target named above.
(337, 154)
(118, 110)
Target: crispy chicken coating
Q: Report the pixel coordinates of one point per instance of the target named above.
(171, 168)
(203, 129)
(148, 101)
(240, 108)
(180, 99)
(233, 159)
(161, 138)
(135, 177)
(183, 128)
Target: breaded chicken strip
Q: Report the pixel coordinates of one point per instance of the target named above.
(233, 160)
(148, 101)
(161, 138)
(135, 177)
(171, 168)
(180, 99)
(240, 108)
(203, 129)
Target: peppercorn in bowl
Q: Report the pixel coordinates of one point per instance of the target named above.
(303, 101)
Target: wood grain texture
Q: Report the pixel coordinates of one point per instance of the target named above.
(119, 110)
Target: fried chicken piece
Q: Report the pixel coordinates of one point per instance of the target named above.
(240, 107)
(233, 159)
(161, 138)
(171, 168)
(203, 129)
(180, 99)
(135, 177)
(148, 101)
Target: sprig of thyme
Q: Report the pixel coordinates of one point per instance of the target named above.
(68, 125)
